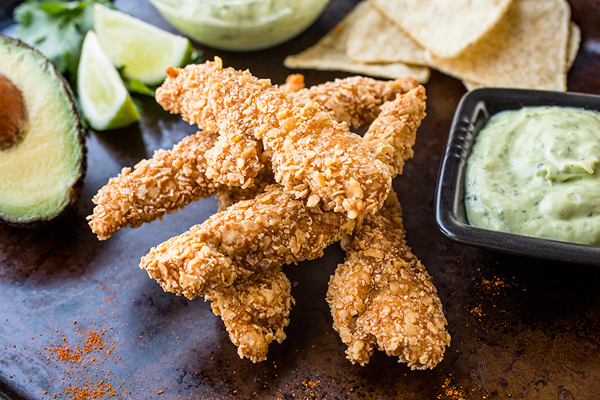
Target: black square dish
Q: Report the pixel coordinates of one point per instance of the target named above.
(474, 110)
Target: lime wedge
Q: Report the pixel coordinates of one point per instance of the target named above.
(143, 50)
(102, 94)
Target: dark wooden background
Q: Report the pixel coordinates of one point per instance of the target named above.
(521, 328)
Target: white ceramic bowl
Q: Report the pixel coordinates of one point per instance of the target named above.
(240, 25)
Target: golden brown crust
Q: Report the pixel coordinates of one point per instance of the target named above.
(233, 259)
(293, 83)
(382, 296)
(392, 135)
(230, 195)
(311, 153)
(235, 160)
(205, 164)
(355, 100)
(272, 229)
(167, 182)
(255, 311)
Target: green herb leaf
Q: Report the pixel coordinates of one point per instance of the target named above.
(135, 86)
(56, 28)
(196, 57)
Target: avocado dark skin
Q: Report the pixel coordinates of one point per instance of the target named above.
(24, 138)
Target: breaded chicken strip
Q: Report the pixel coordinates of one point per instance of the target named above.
(168, 181)
(272, 229)
(312, 155)
(354, 100)
(393, 133)
(242, 310)
(382, 296)
(134, 197)
(401, 135)
(255, 311)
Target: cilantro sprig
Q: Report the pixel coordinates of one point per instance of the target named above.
(56, 28)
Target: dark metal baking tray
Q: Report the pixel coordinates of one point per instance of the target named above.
(521, 327)
(472, 113)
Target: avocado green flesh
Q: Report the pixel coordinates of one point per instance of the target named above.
(39, 173)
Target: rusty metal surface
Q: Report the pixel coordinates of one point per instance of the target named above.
(521, 328)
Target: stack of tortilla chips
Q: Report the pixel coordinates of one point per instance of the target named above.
(486, 43)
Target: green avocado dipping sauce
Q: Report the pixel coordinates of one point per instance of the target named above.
(533, 172)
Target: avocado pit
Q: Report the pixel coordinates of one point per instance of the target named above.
(12, 113)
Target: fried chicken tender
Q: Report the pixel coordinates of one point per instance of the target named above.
(400, 137)
(194, 168)
(356, 100)
(382, 296)
(255, 311)
(392, 135)
(167, 182)
(273, 229)
(389, 149)
(312, 155)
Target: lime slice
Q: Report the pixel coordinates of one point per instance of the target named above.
(102, 94)
(144, 51)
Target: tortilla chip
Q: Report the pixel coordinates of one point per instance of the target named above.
(572, 50)
(374, 38)
(330, 54)
(573, 45)
(527, 49)
(444, 27)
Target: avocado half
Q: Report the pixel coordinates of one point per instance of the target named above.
(42, 143)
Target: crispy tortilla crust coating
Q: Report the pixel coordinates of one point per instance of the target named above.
(168, 181)
(172, 179)
(293, 83)
(312, 155)
(255, 311)
(392, 135)
(356, 100)
(235, 160)
(390, 138)
(383, 297)
(272, 229)
(231, 194)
